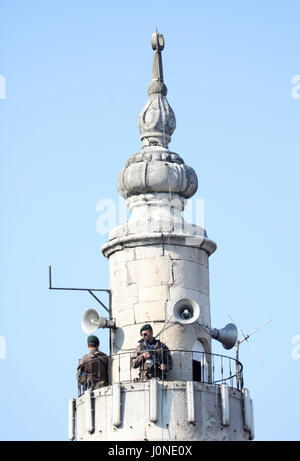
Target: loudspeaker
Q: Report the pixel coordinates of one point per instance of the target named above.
(186, 311)
(227, 336)
(91, 321)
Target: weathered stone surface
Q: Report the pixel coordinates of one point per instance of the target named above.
(179, 252)
(149, 251)
(154, 153)
(188, 274)
(122, 238)
(162, 199)
(123, 256)
(150, 271)
(119, 275)
(144, 178)
(173, 334)
(149, 311)
(153, 293)
(125, 317)
(186, 253)
(123, 297)
(157, 120)
(172, 421)
(200, 256)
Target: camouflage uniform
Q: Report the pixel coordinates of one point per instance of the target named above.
(150, 368)
(92, 371)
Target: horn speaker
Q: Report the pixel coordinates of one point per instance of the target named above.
(186, 311)
(227, 336)
(91, 321)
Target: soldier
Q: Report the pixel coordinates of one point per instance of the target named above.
(151, 356)
(92, 371)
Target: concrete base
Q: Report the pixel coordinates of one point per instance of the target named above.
(157, 411)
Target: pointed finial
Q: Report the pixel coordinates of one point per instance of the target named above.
(157, 120)
(157, 85)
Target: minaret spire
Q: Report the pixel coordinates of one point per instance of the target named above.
(157, 120)
(155, 170)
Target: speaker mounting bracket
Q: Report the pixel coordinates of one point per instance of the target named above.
(89, 290)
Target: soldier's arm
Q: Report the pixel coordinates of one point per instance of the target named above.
(138, 358)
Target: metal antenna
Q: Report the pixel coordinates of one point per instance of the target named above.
(261, 326)
(245, 338)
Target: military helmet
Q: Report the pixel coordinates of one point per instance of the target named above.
(93, 341)
(146, 327)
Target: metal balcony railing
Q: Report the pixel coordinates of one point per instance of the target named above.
(203, 367)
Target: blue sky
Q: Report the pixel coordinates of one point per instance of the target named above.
(76, 76)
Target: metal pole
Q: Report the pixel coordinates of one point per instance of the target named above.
(237, 365)
(110, 318)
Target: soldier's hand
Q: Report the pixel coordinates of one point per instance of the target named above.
(163, 366)
(146, 355)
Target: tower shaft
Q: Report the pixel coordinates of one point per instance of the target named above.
(159, 274)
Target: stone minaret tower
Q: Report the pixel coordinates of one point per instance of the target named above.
(159, 268)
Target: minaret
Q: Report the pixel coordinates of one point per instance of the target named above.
(159, 274)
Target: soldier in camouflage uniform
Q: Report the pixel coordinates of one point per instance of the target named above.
(92, 371)
(151, 356)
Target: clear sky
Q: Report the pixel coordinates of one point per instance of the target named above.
(73, 79)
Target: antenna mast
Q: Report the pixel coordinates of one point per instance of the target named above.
(245, 338)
